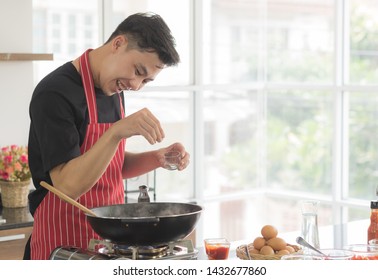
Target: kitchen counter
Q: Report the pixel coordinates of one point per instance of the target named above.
(12, 218)
(332, 236)
(16, 225)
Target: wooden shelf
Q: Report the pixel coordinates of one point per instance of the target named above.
(25, 56)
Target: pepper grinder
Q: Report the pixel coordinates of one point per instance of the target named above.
(143, 194)
(310, 231)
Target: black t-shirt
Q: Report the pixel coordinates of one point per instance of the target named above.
(59, 118)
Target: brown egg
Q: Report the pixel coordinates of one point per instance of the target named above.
(254, 251)
(277, 243)
(267, 250)
(283, 252)
(259, 242)
(269, 231)
(290, 249)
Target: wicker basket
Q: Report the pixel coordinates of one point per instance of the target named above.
(241, 253)
(14, 194)
(16, 215)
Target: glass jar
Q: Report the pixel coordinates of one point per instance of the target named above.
(363, 251)
(309, 230)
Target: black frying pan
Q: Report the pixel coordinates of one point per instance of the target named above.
(145, 223)
(139, 223)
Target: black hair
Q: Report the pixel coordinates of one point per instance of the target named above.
(149, 32)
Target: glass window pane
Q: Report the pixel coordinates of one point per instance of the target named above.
(363, 145)
(58, 26)
(173, 111)
(363, 42)
(232, 141)
(231, 41)
(300, 41)
(299, 141)
(281, 41)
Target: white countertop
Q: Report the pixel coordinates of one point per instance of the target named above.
(333, 236)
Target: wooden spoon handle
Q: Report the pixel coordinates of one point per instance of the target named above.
(66, 198)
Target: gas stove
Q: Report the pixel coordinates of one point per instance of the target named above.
(106, 250)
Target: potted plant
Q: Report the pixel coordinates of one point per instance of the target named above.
(14, 176)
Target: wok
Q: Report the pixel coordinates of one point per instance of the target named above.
(145, 223)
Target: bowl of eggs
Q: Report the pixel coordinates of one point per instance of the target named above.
(268, 246)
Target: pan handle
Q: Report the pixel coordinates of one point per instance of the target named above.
(143, 220)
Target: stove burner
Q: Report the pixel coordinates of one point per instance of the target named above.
(105, 250)
(173, 250)
(141, 252)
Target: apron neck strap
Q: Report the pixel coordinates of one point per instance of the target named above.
(88, 84)
(89, 90)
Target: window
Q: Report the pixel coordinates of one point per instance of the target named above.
(58, 28)
(280, 70)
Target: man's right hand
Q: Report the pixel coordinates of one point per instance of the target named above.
(143, 123)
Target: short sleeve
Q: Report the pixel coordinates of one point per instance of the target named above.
(53, 120)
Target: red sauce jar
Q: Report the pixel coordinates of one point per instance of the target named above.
(217, 248)
(373, 227)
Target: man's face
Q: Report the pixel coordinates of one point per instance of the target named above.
(128, 69)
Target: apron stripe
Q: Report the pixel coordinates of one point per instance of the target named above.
(58, 223)
(91, 98)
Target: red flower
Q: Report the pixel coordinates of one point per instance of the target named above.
(8, 159)
(14, 147)
(24, 158)
(14, 163)
(4, 176)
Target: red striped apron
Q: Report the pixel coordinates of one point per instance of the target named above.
(57, 223)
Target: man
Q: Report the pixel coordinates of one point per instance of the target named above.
(78, 131)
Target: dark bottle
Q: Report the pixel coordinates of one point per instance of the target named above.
(143, 194)
(373, 227)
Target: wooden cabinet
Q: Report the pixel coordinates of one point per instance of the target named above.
(25, 56)
(12, 243)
